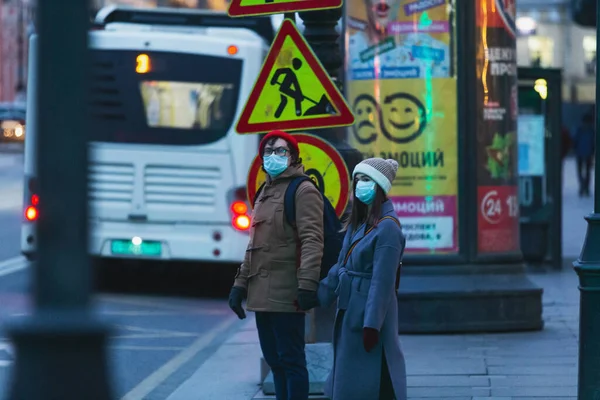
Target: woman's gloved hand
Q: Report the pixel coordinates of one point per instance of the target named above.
(236, 296)
(370, 338)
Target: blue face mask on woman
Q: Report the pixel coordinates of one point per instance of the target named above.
(365, 192)
(274, 165)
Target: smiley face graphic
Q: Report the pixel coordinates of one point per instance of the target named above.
(404, 117)
(366, 112)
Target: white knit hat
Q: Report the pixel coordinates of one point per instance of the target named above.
(379, 170)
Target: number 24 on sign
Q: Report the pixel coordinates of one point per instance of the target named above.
(493, 206)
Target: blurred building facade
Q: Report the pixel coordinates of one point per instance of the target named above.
(17, 19)
(548, 38)
(16, 24)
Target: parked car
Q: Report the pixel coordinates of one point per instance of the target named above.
(12, 122)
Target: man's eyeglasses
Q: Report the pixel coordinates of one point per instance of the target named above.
(280, 151)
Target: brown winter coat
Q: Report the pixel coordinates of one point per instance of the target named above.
(277, 261)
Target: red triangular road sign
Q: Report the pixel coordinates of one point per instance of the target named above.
(293, 91)
(242, 8)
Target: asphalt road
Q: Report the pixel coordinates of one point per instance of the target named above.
(166, 319)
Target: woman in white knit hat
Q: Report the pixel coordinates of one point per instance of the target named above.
(368, 362)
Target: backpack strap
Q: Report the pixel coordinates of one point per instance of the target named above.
(289, 201)
(393, 219)
(260, 188)
(366, 233)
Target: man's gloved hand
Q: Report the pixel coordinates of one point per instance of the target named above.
(236, 296)
(307, 299)
(370, 338)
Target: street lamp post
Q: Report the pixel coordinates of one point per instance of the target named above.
(60, 349)
(588, 269)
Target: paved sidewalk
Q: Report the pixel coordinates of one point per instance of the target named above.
(574, 209)
(512, 366)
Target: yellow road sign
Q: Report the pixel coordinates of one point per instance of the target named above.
(322, 162)
(293, 90)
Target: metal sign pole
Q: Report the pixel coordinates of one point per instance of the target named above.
(320, 33)
(588, 269)
(60, 352)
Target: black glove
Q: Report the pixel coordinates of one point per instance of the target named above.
(236, 296)
(307, 299)
(370, 338)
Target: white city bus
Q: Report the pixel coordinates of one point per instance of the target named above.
(167, 171)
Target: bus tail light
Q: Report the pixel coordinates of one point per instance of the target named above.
(32, 200)
(241, 220)
(31, 212)
(239, 207)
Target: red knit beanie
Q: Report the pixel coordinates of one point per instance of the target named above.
(278, 134)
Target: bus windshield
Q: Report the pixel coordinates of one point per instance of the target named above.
(162, 98)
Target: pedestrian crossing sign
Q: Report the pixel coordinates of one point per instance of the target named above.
(293, 91)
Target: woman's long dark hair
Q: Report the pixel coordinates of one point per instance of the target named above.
(360, 211)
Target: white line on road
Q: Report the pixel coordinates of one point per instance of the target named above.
(170, 367)
(147, 348)
(13, 265)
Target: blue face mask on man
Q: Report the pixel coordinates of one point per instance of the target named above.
(365, 192)
(274, 165)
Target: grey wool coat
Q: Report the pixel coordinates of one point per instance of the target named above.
(365, 288)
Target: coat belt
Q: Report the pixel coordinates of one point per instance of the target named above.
(345, 285)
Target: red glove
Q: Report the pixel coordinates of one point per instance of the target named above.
(370, 338)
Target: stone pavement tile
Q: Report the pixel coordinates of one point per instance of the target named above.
(531, 344)
(552, 331)
(492, 398)
(447, 380)
(540, 391)
(559, 350)
(447, 366)
(441, 398)
(554, 349)
(542, 398)
(545, 370)
(434, 342)
(458, 352)
(525, 360)
(437, 392)
(532, 380)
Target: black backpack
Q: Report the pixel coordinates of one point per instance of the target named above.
(333, 237)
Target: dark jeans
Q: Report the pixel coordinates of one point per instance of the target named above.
(281, 338)
(584, 165)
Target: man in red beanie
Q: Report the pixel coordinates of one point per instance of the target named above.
(280, 273)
